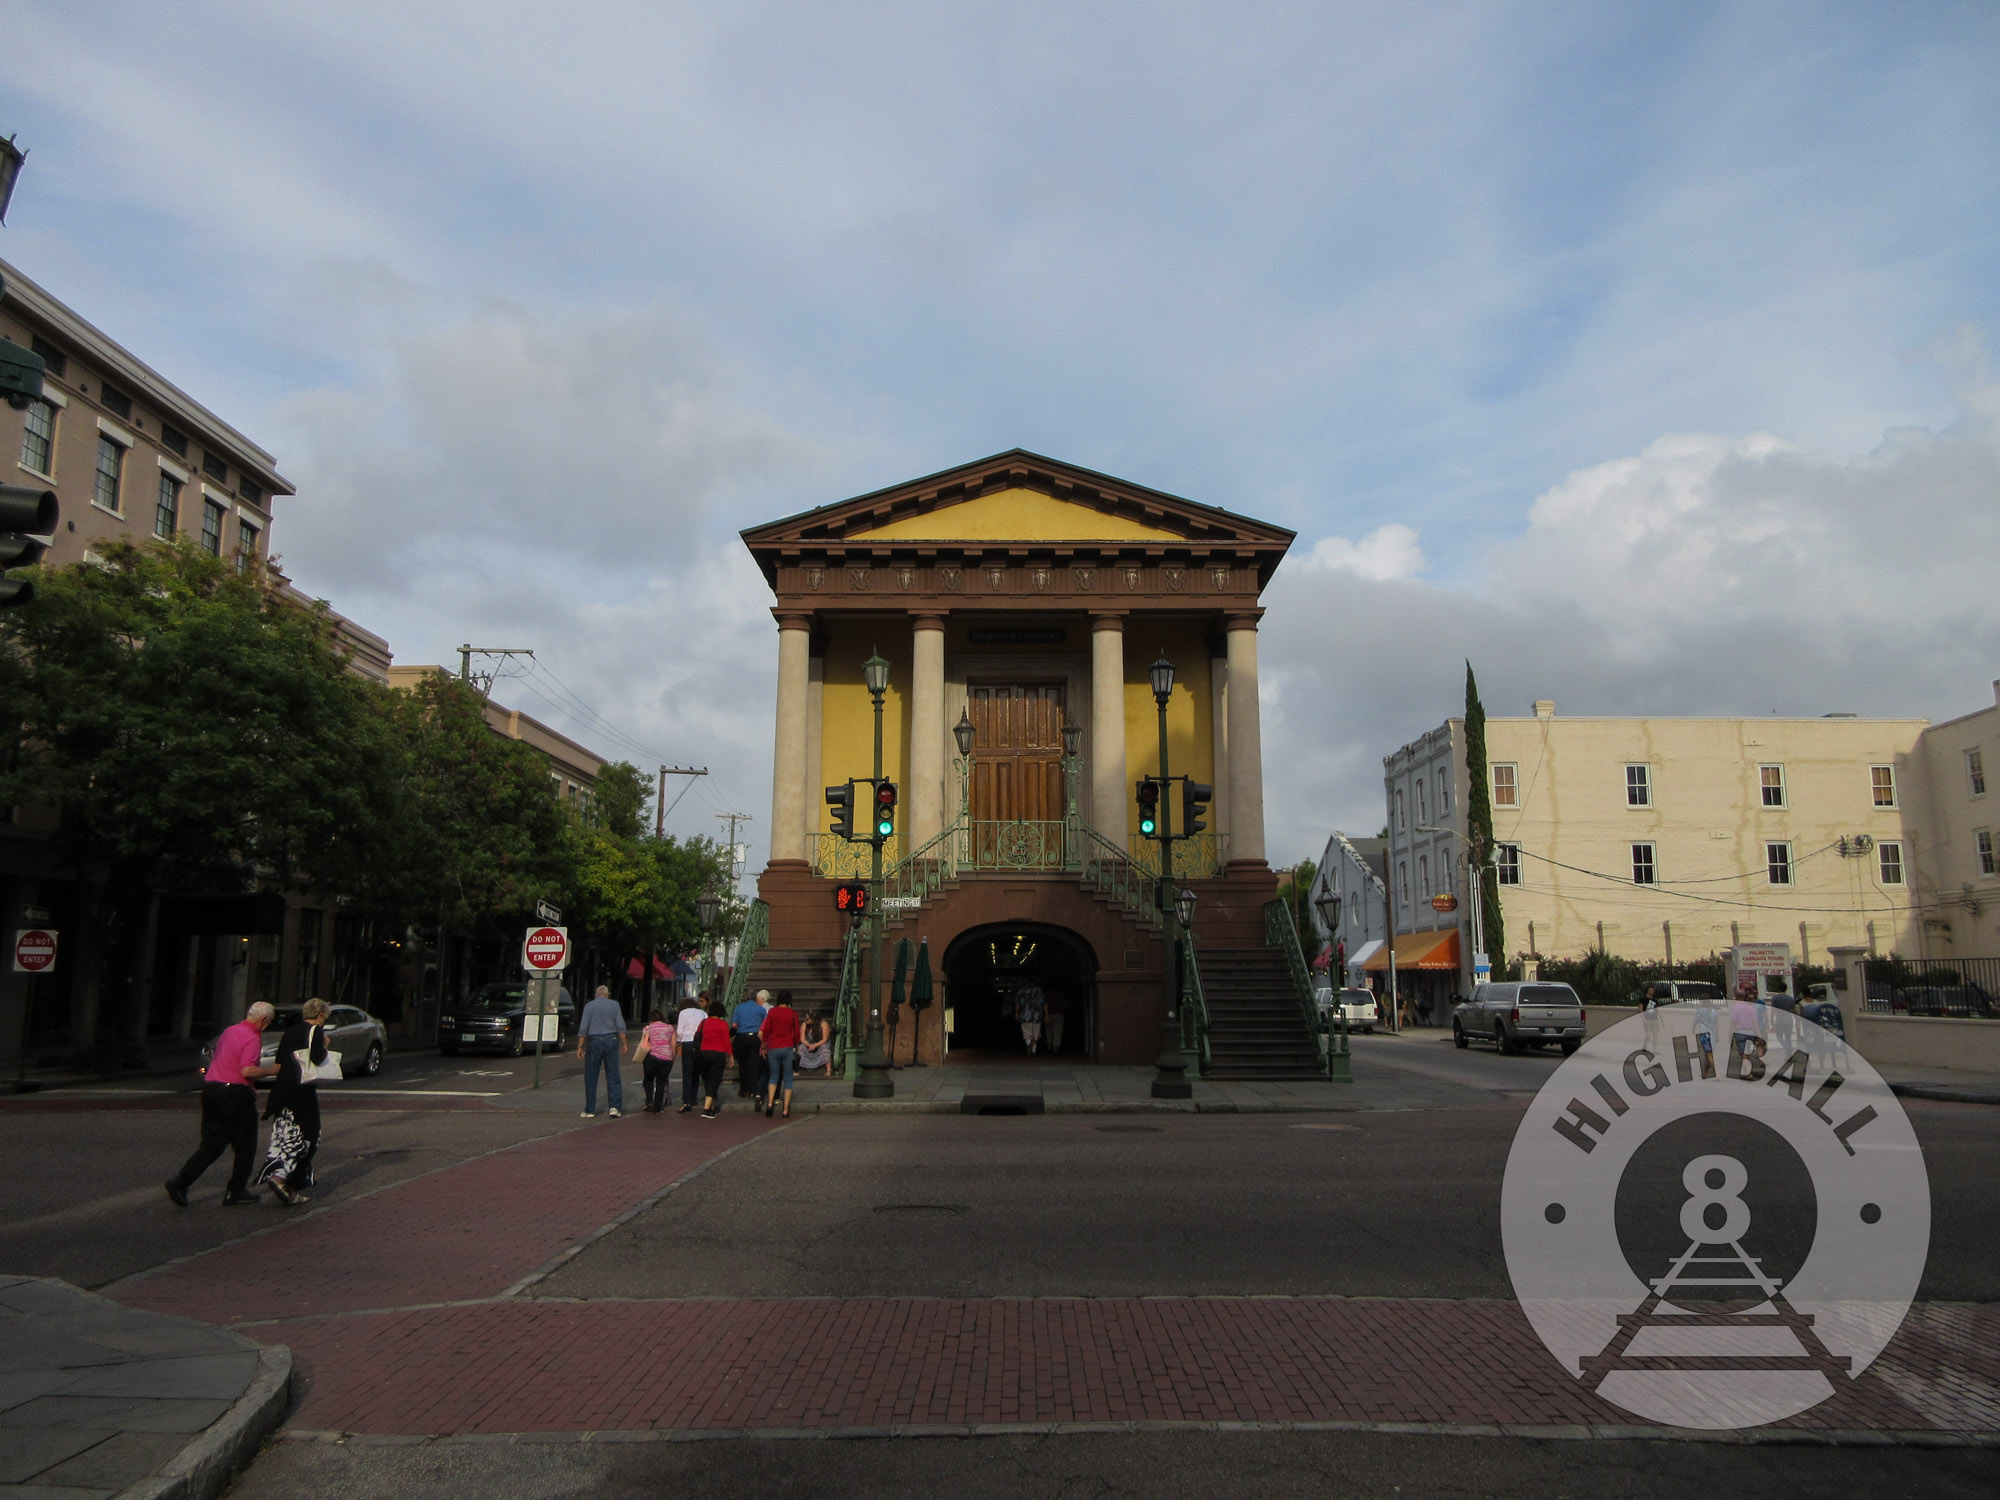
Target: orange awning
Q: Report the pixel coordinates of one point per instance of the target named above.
(1419, 950)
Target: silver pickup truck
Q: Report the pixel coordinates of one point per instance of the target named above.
(1512, 1015)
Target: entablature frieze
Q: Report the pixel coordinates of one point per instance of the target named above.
(1013, 579)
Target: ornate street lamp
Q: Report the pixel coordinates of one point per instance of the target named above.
(707, 907)
(964, 732)
(1184, 900)
(1171, 1081)
(874, 1081)
(1163, 681)
(1072, 738)
(1328, 906)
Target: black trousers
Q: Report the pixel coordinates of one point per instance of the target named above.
(228, 1122)
(713, 1064)
(749, 1064)
(658, 1071)
(690, 1073)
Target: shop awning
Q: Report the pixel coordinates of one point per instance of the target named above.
(1419, 950)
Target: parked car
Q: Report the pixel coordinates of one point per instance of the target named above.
(1513, 1014)
(494, 1019)
(1946, 1000)
(361, 1040)
(1357, 1005)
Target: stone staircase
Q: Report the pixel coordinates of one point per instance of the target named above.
(1256, 1029)
(811, 974)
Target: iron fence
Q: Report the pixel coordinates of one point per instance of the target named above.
(1962, 988)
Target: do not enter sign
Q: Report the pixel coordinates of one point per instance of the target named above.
(546, 950)
(34, 951)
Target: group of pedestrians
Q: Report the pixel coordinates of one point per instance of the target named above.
(764, 1037)
(1040, 1014)
(229, 1108)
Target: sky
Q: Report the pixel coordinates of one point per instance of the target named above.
(1641, 354)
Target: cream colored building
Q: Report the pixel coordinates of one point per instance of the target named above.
(1674, 838)
(1961, 759)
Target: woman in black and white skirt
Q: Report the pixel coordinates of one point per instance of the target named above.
(293, 1109)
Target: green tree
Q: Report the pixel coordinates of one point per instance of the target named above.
(621, 796)
(1295, 887)
(188, 730)
(1479, 821)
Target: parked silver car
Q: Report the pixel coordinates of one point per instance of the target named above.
(1515, 1014)
(361, 1040)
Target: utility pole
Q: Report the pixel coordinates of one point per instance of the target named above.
(732, 819)
(660, 808)
(466, 653)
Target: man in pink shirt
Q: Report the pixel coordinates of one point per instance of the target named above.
(229, 1108)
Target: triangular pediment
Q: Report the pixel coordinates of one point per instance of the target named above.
(1017, 498)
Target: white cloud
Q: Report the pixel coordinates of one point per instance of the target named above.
(1389, 551)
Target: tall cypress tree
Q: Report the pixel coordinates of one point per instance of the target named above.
(1479, 821)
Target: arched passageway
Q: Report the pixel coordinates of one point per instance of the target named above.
(988, 968)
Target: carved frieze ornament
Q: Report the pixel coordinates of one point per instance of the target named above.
(906, 578)
(815, 577)
(1219, 577)
(1086, 579)
(1040, 578)
(859, 579)
(952, 579)
(997, 577)
(1175, 578)
(1131, 577)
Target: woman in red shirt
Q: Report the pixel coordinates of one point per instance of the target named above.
(713, 1039)
(780, 1040)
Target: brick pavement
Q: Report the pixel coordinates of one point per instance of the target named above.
(880, 1363)
(466, 1231)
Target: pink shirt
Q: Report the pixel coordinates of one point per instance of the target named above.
(240, 1047)
(659, 1039)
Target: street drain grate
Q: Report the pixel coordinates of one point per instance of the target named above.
(1131, 1129)
(1326, 1127)
(922, 1208)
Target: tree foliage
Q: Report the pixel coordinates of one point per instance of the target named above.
(1479, 818)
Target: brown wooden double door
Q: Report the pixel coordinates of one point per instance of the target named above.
(1017, 766)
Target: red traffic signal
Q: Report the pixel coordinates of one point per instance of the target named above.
(850, 897)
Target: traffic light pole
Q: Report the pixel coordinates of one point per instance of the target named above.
(1171, 1081)
(875, 1082)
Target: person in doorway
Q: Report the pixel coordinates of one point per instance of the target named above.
(815, 1045)
(714, 1040)
(293, 1108)
(1029, 1007)
(229, 1109)
(654, 1053)
(687, 1032)
(780, 1041)
(600, 1042)
(1054, 1009)
(747, 1021)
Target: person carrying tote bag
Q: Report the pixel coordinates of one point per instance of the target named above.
(304, 1061)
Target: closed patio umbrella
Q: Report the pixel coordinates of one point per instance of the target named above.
(896, 994)
(920, 994)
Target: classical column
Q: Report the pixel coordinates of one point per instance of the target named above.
(1218, 721)
(788, 752)
(810, 785)
(1246, 745)
(1107, 727)
(927, 730)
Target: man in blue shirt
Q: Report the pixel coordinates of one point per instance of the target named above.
(746, 1021)
(600, 1040)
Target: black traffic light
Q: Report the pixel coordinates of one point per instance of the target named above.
(885, 809)
(21, 373)
(1149, 807)
(1195, 797)
(850, 897)
(25, 514)
(841, 800)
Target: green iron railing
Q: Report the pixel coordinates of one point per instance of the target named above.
(1282, 934)
(847, 1006)
(1194, 1009)
(837, 858)
(756, 932)
(1198, 858)
(1109, 870)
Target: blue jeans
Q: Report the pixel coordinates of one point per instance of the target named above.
(779, 1063)
(602, 1052)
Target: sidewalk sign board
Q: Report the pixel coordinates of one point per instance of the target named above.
(34, 950)
(1763, 961)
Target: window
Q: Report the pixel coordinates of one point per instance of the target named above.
(215, 468)
(1506, 786)
(1778, 863)
(110, 470)
(1401, 822)
(1638, 786)
(1507, 864)
(1884, 781)
(56, 362)
(1975, 771)
(174, 440)
(1773, 779)
(246, 546)
(167, 509)
(211, 528)
(115, 401)
(1643, 870)
(38, 438)
(1423, 808)
(1403, 880)
(1983, 842)
(1423, 875)
(249, 490)
(1444, 792)
(1891, 857)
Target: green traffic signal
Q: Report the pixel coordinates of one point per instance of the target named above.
(1149, 806)
(885, 809)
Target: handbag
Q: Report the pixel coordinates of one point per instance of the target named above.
(318, 1072)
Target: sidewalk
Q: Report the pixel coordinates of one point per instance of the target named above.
(96, 1398)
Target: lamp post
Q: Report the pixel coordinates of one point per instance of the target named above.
(1072, 738)
(1171, 1081)
(966, 735)
(1328, 906)
(874, 1081)
(707, 907)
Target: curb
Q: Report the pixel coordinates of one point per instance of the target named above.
(1946, 1092)
(204, 1468)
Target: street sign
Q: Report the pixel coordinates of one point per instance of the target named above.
(1482, 968)
(34, 951)
(547, 912)
(545, 950)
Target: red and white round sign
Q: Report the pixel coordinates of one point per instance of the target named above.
(546, 949)
(34, 951)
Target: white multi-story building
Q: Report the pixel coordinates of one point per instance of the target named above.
(1351, 871)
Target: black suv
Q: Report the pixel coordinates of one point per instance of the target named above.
(493, 1018)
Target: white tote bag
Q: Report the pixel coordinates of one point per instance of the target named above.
(322, 1072)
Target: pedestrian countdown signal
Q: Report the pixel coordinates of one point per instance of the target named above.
(850, 897)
